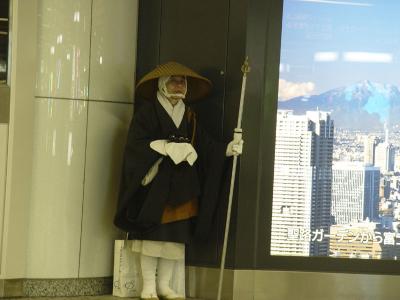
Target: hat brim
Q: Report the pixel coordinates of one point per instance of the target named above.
(198, 86)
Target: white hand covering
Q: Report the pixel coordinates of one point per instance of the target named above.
(159, 146)
(179, 152)
(151, 173)
(234, 148)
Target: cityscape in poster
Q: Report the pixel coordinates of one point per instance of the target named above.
(337, 158)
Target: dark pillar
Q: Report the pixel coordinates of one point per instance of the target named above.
(213, 38)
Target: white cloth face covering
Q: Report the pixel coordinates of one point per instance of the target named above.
(162, 87)
(176, 112)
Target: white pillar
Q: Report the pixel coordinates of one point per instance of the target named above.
(83, 105)
(19, 151)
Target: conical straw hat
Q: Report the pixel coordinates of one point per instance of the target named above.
(197, 85)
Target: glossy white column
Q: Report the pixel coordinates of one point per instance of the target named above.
(3, 173)
(19, 159)
(84, 45)
(63, 48)
(113, 53)
(106, 135)
(112, 77)
(57, 188)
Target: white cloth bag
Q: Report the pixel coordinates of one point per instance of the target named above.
(127, 272)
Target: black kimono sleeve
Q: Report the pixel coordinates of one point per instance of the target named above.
(212, 156)
(138, 159)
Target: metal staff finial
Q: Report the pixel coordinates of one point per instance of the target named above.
(246, 67)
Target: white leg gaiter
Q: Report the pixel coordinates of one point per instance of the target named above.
(149, 266)
(164, 274)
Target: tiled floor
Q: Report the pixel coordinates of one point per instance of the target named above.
(106, 297)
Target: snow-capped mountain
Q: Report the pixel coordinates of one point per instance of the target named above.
(365, 105)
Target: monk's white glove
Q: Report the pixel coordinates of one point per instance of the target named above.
(235, 147)
(159, 146)
(178, 152)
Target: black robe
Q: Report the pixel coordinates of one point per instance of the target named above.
(140, 208)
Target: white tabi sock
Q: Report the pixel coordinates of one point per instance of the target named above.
(164, 274)
(149, 266)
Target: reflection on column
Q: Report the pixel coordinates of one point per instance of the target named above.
(57, 187)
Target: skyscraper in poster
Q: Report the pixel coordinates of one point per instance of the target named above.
(370, 143)
(302, 182)
(355, 192)
(385, 154)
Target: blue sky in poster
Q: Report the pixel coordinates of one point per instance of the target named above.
(333, 43)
